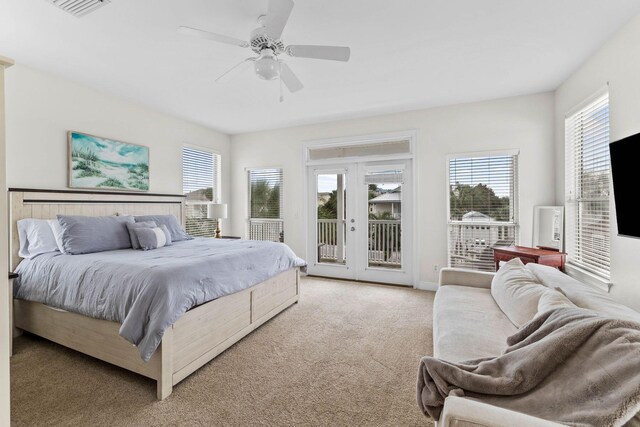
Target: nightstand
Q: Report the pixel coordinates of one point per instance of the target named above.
(11, 277)
(229, 237)
(536, 255)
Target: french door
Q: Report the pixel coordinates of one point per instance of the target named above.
(360, 218)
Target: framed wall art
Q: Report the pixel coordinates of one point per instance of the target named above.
(106, 164)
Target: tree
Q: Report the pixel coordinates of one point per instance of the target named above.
(374, 191)
(329, 210)
(265, 200)
(481, 198)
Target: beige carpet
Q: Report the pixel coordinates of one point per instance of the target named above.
(346, 354)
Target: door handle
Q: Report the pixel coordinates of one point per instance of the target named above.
(353, 229)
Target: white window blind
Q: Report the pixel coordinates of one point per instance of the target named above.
(200, 185)
(587, 188)
(483, 206)
(265, 204)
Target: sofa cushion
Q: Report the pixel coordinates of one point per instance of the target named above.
(582, 295)
(517, 292)
(467, 324)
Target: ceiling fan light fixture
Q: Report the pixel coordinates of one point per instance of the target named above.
(266, 42)
(267, 66)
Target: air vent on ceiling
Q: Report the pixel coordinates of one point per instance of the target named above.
(79, 7)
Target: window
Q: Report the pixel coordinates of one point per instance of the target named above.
(587, 187)
(200, 183)
(265, 205)
(483, 196)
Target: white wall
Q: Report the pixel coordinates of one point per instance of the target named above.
(41, 108)
(524, 122)
(617, 62)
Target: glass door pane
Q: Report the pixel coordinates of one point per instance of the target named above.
(331, 208)
(384, 207)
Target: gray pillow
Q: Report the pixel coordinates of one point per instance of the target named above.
(89, 234)
(177, 232)
(135, 244)
(153, 238)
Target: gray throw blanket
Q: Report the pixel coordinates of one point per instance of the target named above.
(569, 365)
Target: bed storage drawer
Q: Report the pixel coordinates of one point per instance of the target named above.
(95, 337)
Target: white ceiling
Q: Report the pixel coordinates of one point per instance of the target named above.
(406, 54)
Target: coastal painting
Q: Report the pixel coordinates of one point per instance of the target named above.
(106, 164)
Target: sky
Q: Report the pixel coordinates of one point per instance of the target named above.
(328, 183)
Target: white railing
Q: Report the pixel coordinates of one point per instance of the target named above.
(329, 248)
(471, 243)
(384, 242)
(266, 229)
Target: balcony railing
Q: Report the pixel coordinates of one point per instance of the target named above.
(329, 248)
(384, 247)
(471, 243)
(385, 243)
(266, 229)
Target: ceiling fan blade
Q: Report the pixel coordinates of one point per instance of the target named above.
(212, 36)
(334, 53)
(228, 75)
(277, 17)
(289, 79)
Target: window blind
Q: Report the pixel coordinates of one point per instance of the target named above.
(587, 188)
(483, 205)
(384, 177)
(200, 186)
(265, 204)
(483, 188)
(265, 195)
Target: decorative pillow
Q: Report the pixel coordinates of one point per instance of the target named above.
(173, 225)
(89, 234)
(517, 292)
(36, 237)
(131, 227)
(153, 238)
(553, 298)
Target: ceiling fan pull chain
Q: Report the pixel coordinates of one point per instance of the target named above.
(280, 78)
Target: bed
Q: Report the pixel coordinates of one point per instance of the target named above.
(190, 338)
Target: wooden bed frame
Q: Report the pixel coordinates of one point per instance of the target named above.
(197, 337)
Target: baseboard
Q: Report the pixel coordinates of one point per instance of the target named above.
(427, 286)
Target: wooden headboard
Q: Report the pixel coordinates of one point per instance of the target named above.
(46, 204)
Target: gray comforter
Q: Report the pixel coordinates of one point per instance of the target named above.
(570, 365)
(148, 291)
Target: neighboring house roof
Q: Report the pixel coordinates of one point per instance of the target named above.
(387, 198)
(476, 216)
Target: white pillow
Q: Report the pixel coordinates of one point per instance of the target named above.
(517, 292)
(36, 237)
(551, 299)
(57, 230)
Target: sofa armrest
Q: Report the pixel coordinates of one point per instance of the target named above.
(461, 412)
(462, 277)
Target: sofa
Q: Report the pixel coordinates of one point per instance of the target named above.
(469, 324)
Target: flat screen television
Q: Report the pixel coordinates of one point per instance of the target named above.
(625, 165)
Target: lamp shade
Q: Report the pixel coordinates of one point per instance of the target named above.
(217, 211)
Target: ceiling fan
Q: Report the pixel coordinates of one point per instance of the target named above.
(266, 42)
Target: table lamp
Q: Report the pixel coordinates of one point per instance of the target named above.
(217, 211)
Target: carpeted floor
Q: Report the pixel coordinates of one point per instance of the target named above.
(346, 354)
